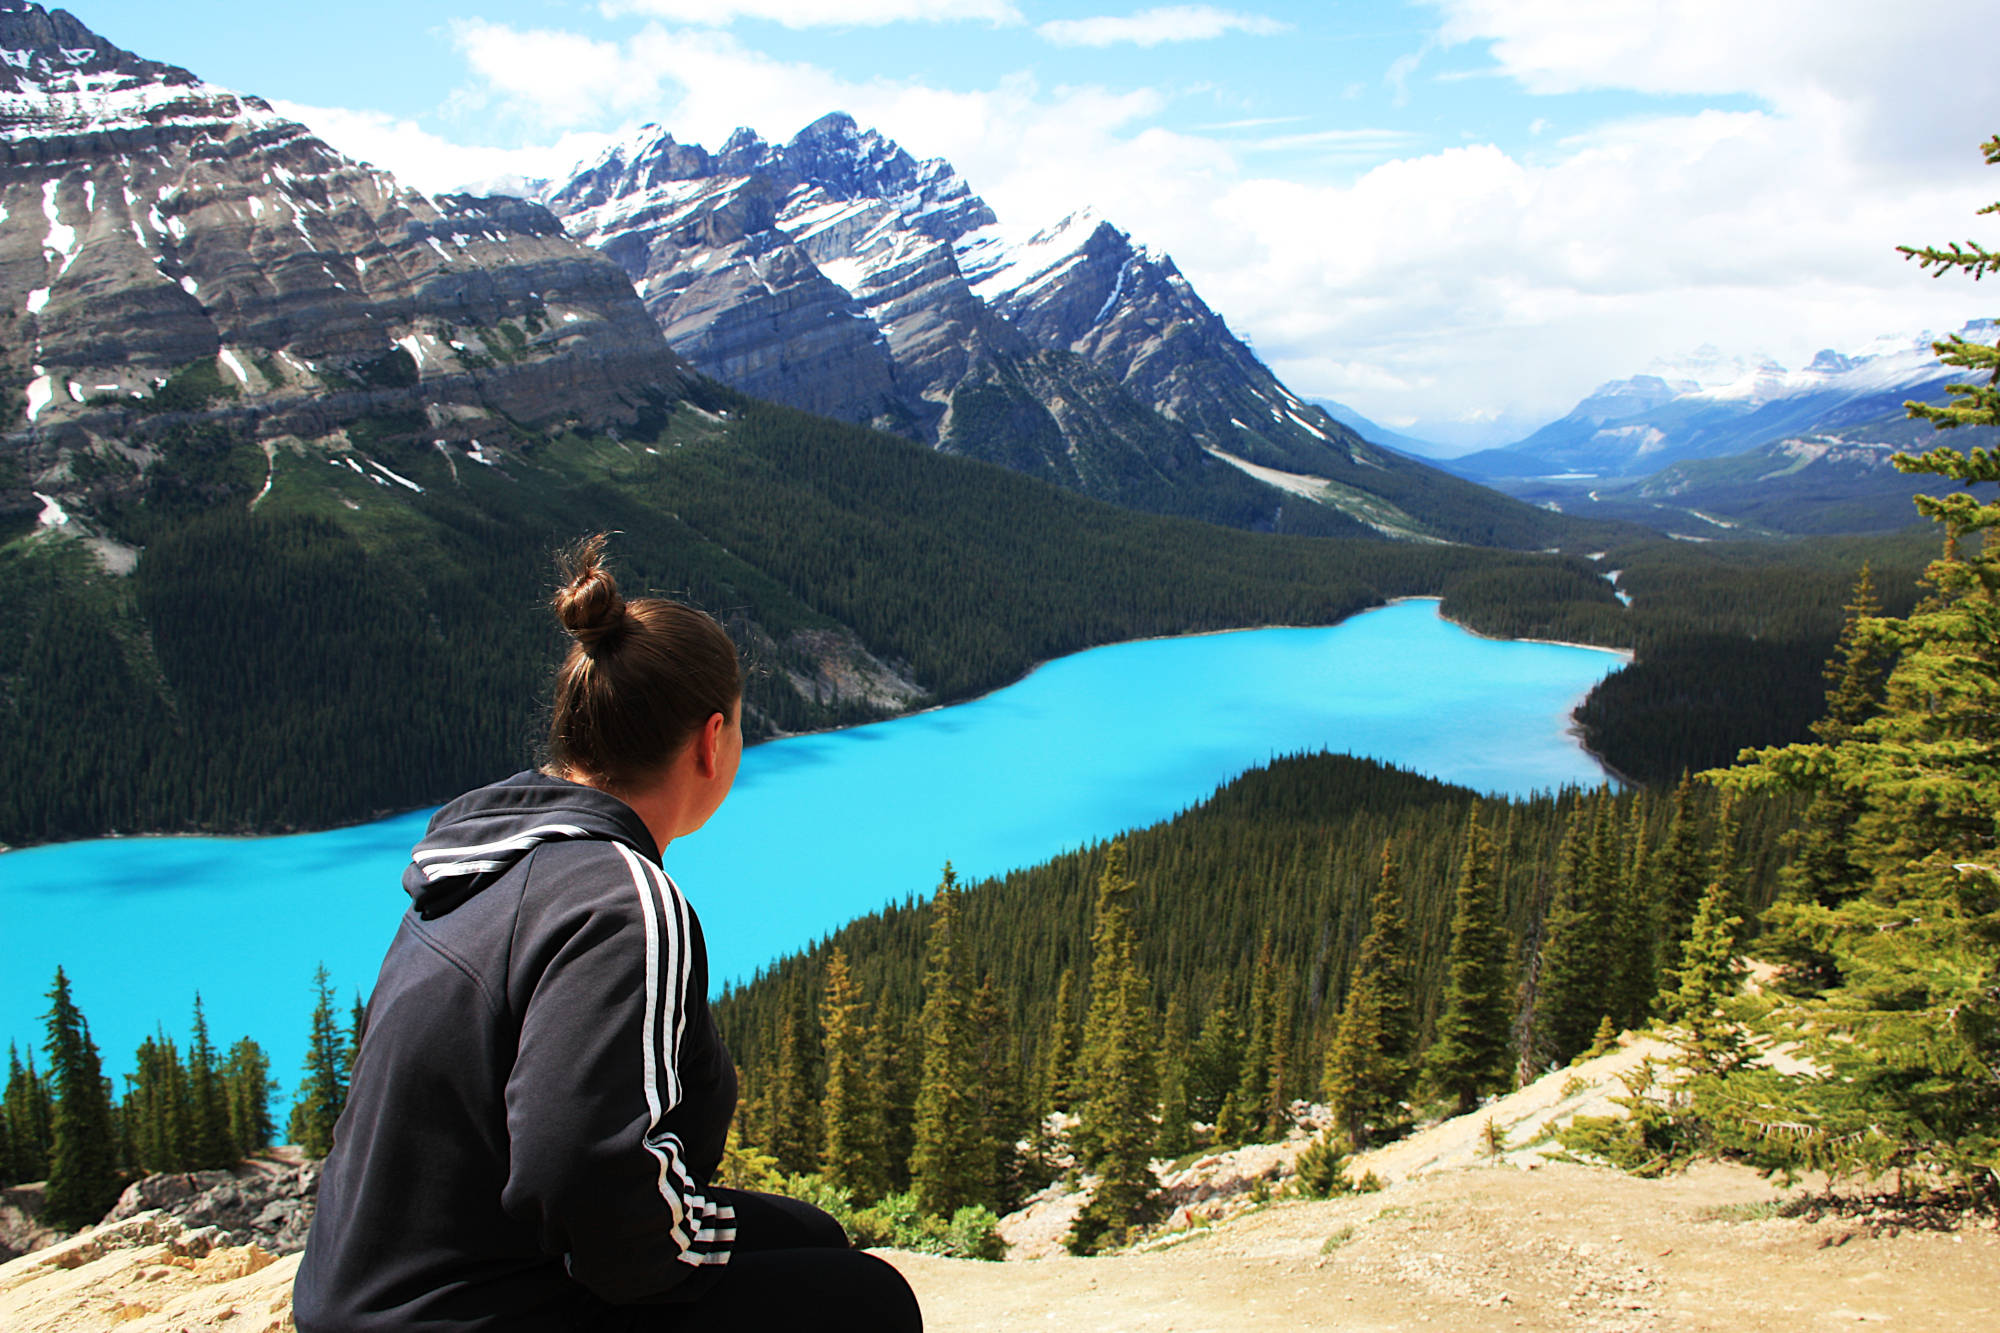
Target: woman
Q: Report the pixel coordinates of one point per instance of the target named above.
(541, 1098)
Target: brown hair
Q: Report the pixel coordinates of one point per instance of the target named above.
(640, 679)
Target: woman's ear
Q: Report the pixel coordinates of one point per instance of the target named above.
(708, 745)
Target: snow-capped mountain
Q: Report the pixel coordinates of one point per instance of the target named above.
(1708, 405)
(163, 231)
(839, 274)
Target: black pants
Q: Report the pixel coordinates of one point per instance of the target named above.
(791, 1268)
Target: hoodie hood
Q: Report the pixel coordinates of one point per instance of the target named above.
(483, 834)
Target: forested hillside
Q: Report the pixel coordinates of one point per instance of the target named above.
(1731, 642)
(309, 637)
(1252, 912)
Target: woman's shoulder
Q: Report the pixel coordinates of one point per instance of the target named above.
(602, 878)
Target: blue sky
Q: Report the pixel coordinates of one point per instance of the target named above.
(1457, 215)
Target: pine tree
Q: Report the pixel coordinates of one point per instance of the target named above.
(83, 1178)
(997, 1100)
(1574, 990)
(1820, 874)
(1115, 1129)
(852, 1157)
(1176, 1131)
(157, 1107)
(1679, 877)
(1469, 1055)
(1059, 1069)
(1635, 928)
(210, 1146)
(1254, 1092)
(1368, 1071)
(323, 1076)
(792, 1098)
(246, 1077)
(944, 1160)
(27, 1114)
(1710, 1042)
(1213, 1069)
(1909, 1038)
(357, 1027)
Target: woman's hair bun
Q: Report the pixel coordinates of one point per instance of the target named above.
(588, 603)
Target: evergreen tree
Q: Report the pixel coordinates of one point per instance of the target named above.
(1368, 1069)
(27, 1115)
(1820, 874)
(853, 1155)
(323, 1076)
(997, 1101)
(1679, 877)
(1059, 1069)
(357, 1026)
(1909, 1038)
(1115, 1130)
(1254, 1093)
(1277, 1117)
(83, 1178)
(210, 1146)
(1635, 928)
(246, 1077)
(1176, 1132)
(793, 1115)
(897, 1050)
(1214, 1067)
(945, 1158)
(1577, 943)
(1469, 1055)
(1709, 1040)
(157, 1107)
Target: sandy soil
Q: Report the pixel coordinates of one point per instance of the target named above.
(1555, 1247)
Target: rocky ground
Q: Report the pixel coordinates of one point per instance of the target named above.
(1460, 1236)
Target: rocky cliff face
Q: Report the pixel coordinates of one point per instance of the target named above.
(171, 248)
(839, 274)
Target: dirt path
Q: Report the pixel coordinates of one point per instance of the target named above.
(1557, 1247)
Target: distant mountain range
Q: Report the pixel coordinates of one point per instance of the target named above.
(1710, 406)
(1740, 440)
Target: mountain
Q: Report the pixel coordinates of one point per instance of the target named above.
(838, 274)
(1712, 406)
(171, 244)
(1807, 485)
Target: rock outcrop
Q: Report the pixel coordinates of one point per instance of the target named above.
(262, 1203)
(147, 1274)
(175, 255)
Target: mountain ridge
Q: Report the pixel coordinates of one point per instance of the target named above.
(1708, 405)
(838, 273)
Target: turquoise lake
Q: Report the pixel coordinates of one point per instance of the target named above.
(819, 828)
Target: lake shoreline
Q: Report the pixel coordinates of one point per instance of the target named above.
(292, 830)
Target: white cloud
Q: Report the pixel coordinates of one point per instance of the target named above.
(1151, 27)
(817, 13)
(1370, 145)
(430, 162)
(1871, 72)
(1467, 290)
(1397, 76)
